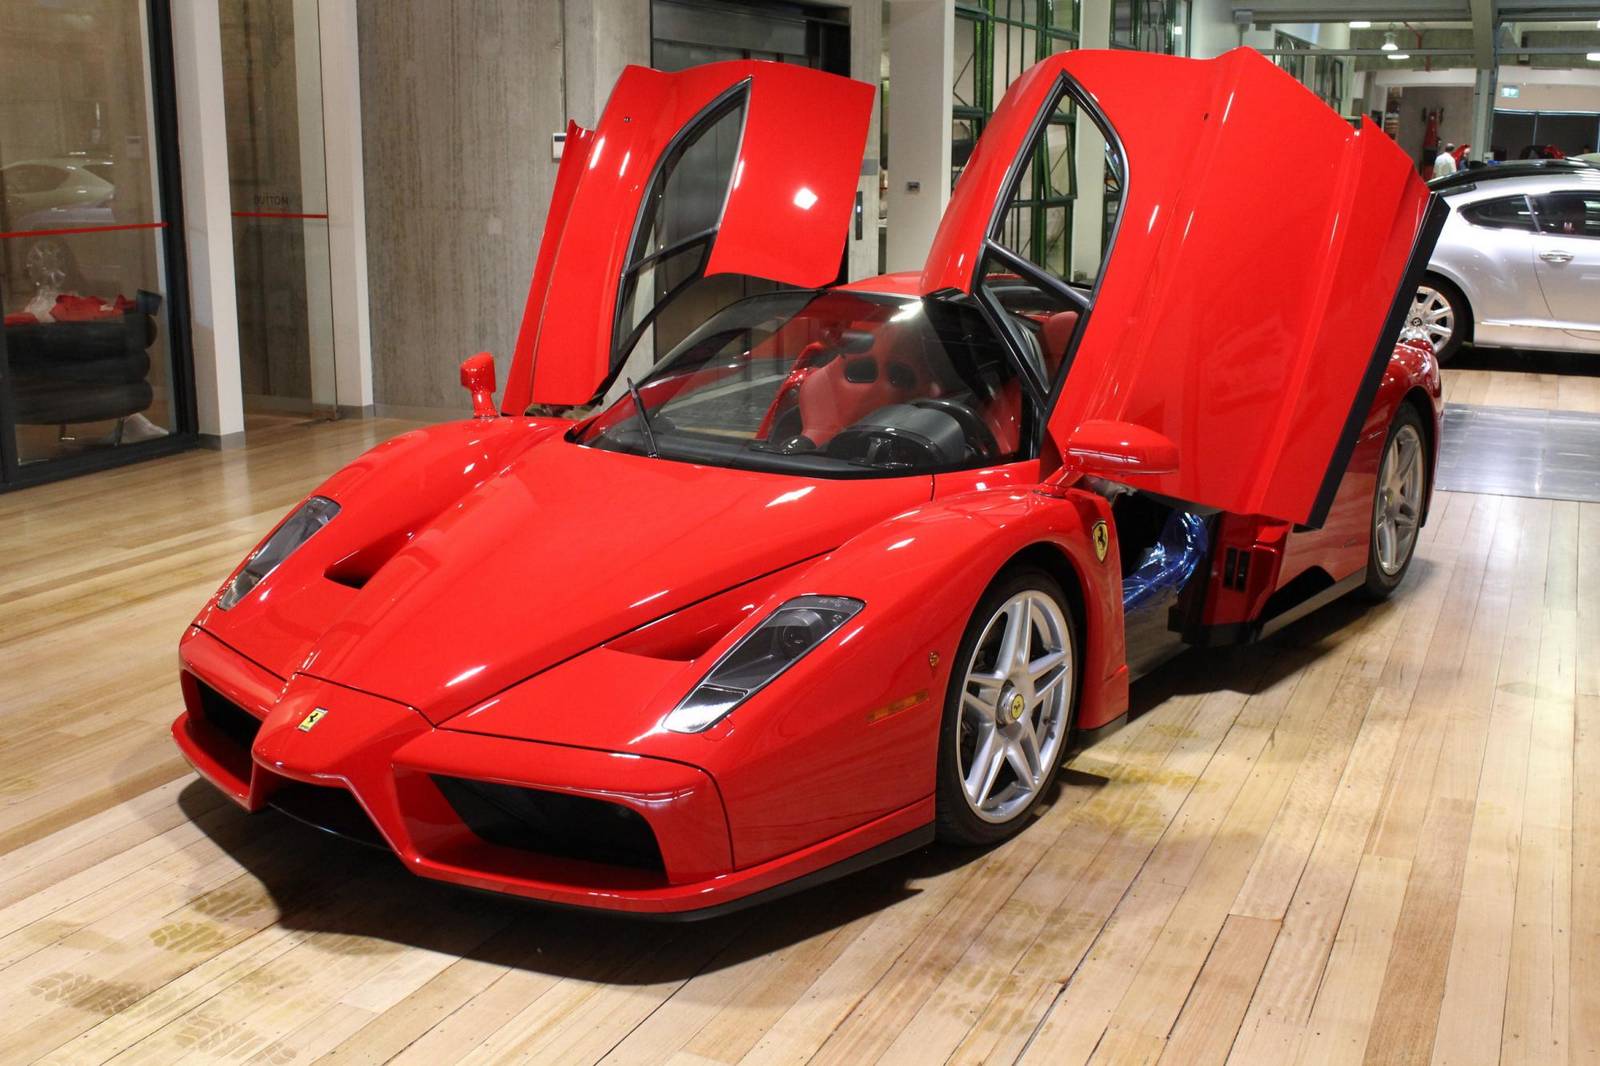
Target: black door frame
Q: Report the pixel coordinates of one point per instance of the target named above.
(169, 191)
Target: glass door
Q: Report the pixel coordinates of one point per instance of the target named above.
(91, 370)
(272, 71)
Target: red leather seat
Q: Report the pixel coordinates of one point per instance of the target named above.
(1003, 413)
(1056, 334)
(830, 400)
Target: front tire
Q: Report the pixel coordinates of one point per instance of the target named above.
(1008, 711)
(1397, 502)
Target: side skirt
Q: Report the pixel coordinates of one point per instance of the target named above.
(1250, 632)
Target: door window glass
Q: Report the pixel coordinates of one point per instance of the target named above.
(1570, 214)
(1510, 212)
(679, 216)
(1037, 276)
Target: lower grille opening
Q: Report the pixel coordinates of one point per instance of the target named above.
(224, 730)
(227, 717)
(329, 808)
(553, 823)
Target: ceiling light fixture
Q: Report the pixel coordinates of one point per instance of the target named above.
(1593, 57)
(1388, 42)
(1360, 24)
(1399, 55)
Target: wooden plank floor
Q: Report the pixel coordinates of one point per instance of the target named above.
(1552, 381)
(1374, 838)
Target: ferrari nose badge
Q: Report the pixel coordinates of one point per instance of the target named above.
(309, 721)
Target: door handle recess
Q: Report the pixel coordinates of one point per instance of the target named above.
(1556, 257)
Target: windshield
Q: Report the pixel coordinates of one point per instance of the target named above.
(831, 383)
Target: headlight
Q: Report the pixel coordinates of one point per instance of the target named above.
(765, 652)
(295, 531)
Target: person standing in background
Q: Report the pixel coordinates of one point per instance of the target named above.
(1445, 162)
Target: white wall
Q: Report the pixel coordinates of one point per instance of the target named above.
(1211, 28)
(921, 57)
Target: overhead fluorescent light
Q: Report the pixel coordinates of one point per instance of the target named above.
(1360, 24)
(1399, 55)
(1388, 42)
(1593, 57)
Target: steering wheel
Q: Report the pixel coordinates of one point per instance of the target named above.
(976, 430)
(877, 445)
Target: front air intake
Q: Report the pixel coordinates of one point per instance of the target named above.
(226, 717)
(553, 823)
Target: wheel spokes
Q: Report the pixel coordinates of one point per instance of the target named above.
(987, 759)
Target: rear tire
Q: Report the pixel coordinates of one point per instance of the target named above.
(1397, 501)
(1008, 711)
(1439, 311)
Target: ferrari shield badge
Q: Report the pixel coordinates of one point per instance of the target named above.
(309, 721)
(1102, 540)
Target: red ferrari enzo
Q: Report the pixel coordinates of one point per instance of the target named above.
(852, 565)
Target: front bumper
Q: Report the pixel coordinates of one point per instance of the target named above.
(569, 826)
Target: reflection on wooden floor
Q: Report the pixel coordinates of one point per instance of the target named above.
(1377, 836)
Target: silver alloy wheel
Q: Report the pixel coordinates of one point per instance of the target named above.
(1431, 316)
(1016, 701)
(48, 265)
(1398, 507)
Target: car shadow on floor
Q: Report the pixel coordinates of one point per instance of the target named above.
(1524, 361)
(366, 902)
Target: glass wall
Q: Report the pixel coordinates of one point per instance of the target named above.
(1160, 26)
(93, 373)
(995, 41)
(272, 87)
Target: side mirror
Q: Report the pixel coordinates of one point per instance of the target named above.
(477, 377)
(1113, 450)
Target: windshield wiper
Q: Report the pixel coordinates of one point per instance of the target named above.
(644, 419)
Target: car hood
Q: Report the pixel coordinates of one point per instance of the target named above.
(564, 548)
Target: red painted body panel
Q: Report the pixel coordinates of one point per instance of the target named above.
(497, 603)
(1198, 330)
(1339, 549)
(786, 216)
(543, 560)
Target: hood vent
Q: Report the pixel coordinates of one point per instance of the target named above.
(359, 567)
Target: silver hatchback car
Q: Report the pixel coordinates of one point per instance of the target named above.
(1518, 262)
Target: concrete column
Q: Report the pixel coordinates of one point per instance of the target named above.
(598, 40)
(208, 221)
(340, 58)
(921, 66)
(1485, 88)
